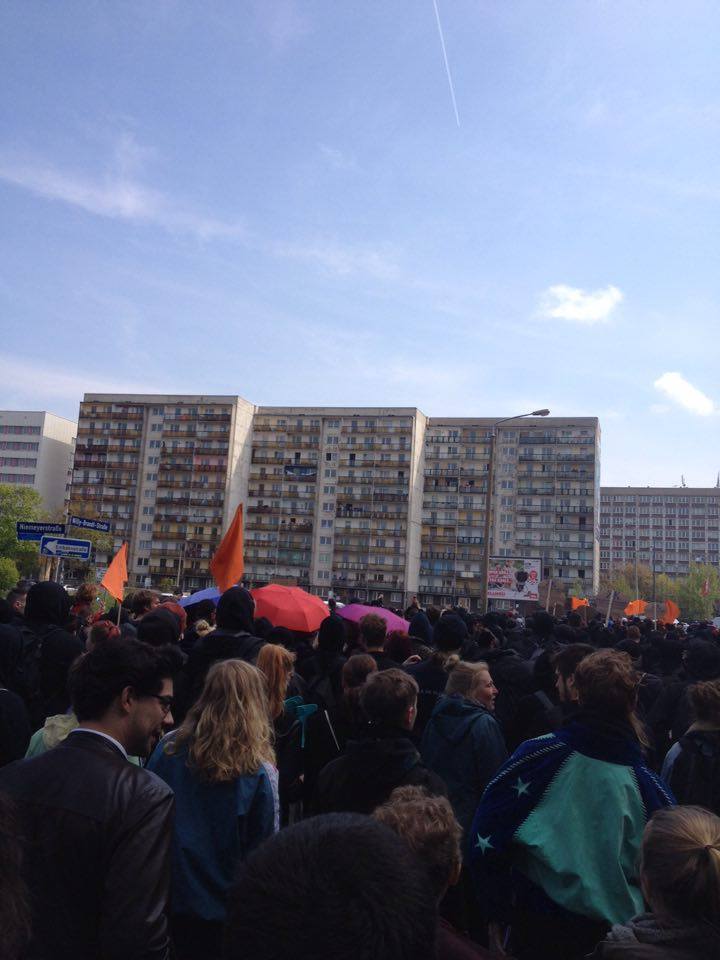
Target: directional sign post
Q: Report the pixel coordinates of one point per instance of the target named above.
(64, 547)
(102, 525)
(36, 531)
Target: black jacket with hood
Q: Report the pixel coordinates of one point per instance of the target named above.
(369, 771)
(233, 639)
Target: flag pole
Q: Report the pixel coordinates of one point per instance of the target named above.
(547, 598)
(610, 603)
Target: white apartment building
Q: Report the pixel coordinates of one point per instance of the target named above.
(665, 528)
(36, 450)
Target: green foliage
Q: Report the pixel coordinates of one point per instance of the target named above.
(167, 585)
(18, 504)
(693, 605)
(9, 575)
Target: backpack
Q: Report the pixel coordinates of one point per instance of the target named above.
(695, 777)
(27, 676)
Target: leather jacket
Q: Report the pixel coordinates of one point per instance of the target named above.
(96, 831)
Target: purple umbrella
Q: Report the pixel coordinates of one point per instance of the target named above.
(354, 612)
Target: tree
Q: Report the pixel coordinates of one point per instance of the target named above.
(9, 574)
(695, 603)
(17, 504)
(622, 581)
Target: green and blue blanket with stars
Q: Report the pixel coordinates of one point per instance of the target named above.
(560, 826)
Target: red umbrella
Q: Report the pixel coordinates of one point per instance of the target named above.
(289, 607)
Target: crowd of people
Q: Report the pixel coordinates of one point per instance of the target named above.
(195, 782)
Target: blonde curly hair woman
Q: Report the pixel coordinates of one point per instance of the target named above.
(221, 766)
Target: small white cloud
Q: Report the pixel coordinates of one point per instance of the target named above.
(579, 306)
(684, 394)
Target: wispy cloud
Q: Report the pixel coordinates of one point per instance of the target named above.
(344, 259)
(579, 306)
(681, 392)
(117, 195)
(337, 159)
(27, 383)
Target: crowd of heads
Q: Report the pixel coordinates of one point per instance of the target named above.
(221, 680)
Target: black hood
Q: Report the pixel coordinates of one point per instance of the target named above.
(48, 602)
(384, 756)
(159, 627)
(235, 610)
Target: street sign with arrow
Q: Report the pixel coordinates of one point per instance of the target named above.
(65, 547)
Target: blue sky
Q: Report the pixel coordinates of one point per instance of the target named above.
(275, 199)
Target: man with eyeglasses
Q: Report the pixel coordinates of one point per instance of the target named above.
(97, 828)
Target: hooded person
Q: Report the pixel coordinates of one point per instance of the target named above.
(450, 636)
(48, 651)
(383, 757)
(233, 639)
(203, 610)
(159, 627)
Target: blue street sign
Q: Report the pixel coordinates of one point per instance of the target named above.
(64, 547)
(101, 525)
(36, 531)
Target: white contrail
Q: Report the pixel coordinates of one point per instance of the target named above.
(447, 65)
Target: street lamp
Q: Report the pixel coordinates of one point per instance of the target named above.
(489, 497)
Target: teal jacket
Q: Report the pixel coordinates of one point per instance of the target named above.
(560, 827)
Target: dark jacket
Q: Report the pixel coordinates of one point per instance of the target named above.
(513, 677)
(431, 677)
(383, 661)
(643, 938)
(15, 729)
(220, 644)
(97, 833)
(369, 771)
(464, 745)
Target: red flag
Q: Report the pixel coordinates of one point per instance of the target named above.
(576, 602)
(116, 574)
(671, 613)
(635, 608)
(227, 564)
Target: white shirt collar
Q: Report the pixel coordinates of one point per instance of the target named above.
(107, 736)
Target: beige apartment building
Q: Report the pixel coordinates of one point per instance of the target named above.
(167, 472)
(665, 528)
(544, 505)
(36, 450)
(361, 502)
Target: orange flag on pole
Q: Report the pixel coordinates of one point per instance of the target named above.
(116, 574)
(576, 602)
(672, 612)
(227, 566)
(635, 608)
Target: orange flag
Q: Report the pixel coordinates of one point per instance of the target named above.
(576, 602)
(672, 612)
(227, 564)
(116, 574)
(635, 608)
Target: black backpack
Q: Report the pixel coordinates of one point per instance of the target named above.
(695, 777)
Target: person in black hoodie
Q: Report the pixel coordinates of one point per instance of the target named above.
(40, 675)
(385, 757)
(233, 639)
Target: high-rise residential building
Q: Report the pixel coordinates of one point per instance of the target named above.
(335, 499)
(36, 450)
(366, 502)
(666, 528)
(168, 472)
(545, 502)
